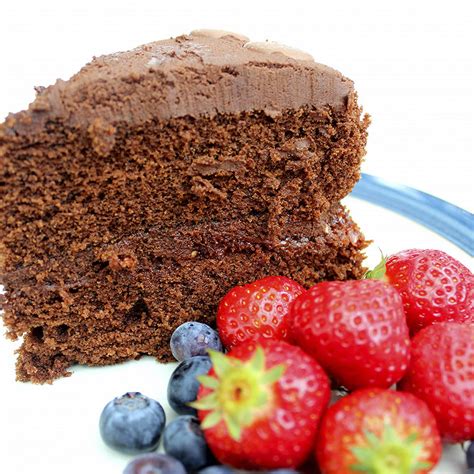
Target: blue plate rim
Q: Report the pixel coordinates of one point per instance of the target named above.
(447, 220)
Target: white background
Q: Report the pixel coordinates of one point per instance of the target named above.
(412, 65)
(411, 62)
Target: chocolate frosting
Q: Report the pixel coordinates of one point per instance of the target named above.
(204, 73)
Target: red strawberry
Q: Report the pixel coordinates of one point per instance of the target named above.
(259, 309)
(434, 286)
(441, 373)
(355, 329)
(378, 431)
(260, 405)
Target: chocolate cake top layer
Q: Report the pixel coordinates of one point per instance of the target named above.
(204, 73)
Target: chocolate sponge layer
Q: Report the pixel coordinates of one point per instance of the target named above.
(61, 196)
(125, 300)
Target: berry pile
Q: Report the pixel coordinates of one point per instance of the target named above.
(401, 342)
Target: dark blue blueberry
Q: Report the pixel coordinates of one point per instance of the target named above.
(193, 339)
(154, 464)
(470, 455)
(217, 470)
(132, 423)
(183, 385)
(183, 439)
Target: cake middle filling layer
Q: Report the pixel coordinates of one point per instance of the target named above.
(125, 299)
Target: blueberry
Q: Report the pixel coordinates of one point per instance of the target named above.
(217, 470)
(193, 339)
(132, 423)
(154, 464)
(184, 440)
(183, 385)
(470, 455)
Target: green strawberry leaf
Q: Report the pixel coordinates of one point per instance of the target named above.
(241, 392)
(388, 453)
(233, 427)
(208, 402)
(221, 363)
(211, 420)
(274, 374)
(208, 381)
(257, 362)
(378, 273)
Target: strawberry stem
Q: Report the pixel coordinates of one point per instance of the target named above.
(378, 272)
(241, 392)
(389, 453)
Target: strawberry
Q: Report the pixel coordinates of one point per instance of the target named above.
(259, 309)
(356, 330)
(380, 432)
(441, 373)
(260, 405)
(434, 286)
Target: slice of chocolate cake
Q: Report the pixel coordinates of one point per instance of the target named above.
(137, 193)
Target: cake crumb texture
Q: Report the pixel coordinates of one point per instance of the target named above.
(137, 193)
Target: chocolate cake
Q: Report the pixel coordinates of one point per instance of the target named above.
(138, 192)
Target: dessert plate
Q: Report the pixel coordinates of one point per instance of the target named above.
(54, 428)
(449, 221)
